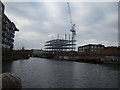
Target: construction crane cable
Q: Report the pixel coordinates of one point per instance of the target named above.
(69, 11)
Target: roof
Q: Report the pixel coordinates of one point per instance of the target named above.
(56, 40)
(92, 45)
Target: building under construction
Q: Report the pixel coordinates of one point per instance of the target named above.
(62, 45)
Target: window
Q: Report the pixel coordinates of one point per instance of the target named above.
(95, 46)
(92, 46)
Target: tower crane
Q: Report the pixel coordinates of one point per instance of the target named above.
(72, 28)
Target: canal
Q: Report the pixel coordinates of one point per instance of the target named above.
(46, 73)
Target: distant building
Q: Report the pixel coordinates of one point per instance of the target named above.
(37, 52)
(8, 30)
(91, 48)
(59, 45)
(29, 52)
(110, 54)
(110, 51)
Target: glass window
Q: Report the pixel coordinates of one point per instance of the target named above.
(92, 46)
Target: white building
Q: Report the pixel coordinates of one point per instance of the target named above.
(38, 52)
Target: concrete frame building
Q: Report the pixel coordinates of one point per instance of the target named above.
(8, 30)
(60, 46)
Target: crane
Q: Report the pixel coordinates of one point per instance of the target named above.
(72, 27)
(69, 11)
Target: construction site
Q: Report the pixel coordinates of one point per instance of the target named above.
(65, 49)
(60, 46)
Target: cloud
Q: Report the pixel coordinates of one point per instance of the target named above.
(99, 25)
(96, 22)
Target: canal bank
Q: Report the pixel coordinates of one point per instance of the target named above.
(16, 55)
(89, 58)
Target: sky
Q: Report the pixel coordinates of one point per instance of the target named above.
(38, 22)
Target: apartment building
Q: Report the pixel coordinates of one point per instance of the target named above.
(8, 29)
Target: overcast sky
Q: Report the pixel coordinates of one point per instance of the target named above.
(38, 22)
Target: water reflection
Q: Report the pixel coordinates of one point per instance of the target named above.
(61, 76)
(7, 67)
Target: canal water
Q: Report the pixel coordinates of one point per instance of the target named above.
(46, 73)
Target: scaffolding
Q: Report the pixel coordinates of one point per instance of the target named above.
(59, 46)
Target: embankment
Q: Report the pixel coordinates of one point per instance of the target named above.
(15, 55)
